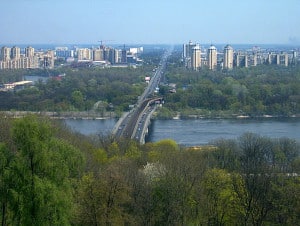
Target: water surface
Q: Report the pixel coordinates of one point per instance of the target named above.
(199, 131)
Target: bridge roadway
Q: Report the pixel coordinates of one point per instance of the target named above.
(134, 124)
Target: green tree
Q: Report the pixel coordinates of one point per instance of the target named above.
(286, 201)
(78, 99)
(220, 200)
(44, 169)
(254, 193)
(102, 197)
(6, 184)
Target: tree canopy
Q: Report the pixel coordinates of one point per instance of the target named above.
(51, 176)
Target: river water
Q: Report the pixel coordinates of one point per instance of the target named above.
(199, 131)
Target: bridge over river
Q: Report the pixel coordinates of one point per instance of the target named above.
(134, 124)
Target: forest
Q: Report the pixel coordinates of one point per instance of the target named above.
(52, 176)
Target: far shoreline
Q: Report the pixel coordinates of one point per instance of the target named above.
(91, 115)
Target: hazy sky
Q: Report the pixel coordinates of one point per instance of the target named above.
(150, 21)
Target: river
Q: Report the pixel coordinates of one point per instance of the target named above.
(199, 131)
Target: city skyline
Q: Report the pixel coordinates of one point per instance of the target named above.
(150, 22)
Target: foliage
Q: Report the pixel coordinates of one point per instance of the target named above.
(79, 90)
(254, 91)
(38, 176)
(44, 179)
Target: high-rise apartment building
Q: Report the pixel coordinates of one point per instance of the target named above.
(48, 59)
(5, 53)
(115, 56)
(228, 57)
(187, 53)
(241, 60)
(212, 57)
(196, 58)
(29, 52)
(98, 54)
(188, 49)
(284, 59)
(278, 59)
(84, 54)
(124, 56)
(64, 52)
(15, 53)
(294, 57)
(253, 60)
(11, 58)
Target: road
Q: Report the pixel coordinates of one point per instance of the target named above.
(133, 124)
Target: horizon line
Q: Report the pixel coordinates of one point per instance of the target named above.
(141, 43)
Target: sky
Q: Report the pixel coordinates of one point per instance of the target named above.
(150, 21)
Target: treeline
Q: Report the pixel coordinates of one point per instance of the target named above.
(254, 91)
(50, 176)
(79, 90)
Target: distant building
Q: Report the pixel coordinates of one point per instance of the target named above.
(98, 55)
(15, 53)
(136, 50)
(278, 59)
(188, 49)
(212, 57)
(284, 59)
(63, 52)
(253, 60)
(187, 53)
(5, 53)
(29, 52)
(294, 57)
(106, 53)
(84, 54)
(196, 58)
(241, 60)
(11, 58)
(124, 56)
(47, 59)
(228, 57)
(114, 56)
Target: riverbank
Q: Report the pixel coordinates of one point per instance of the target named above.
(91, 115)
(214, 115)
(235, 116)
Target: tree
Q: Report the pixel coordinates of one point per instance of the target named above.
(43, 171)
(162, 149)
(6, 184)
(286, 201)
(226, 155)
(173, 181)
(219, 201)
(254, 192)
(102, 197)
(78, 99)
